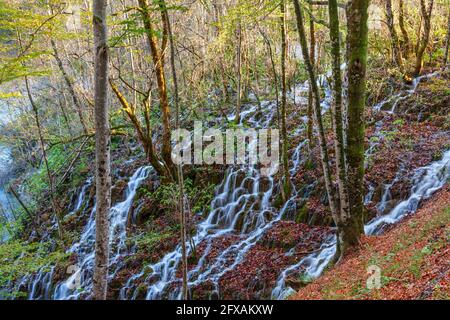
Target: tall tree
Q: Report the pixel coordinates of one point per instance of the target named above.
(181, 196)
(394, 38)
(356, 55)
(238, 70)
(423, 40)
(287, 179)
(341, 167)
(102, 150)
(158, 53)
(447, 40)
(312, 53)
(406, 46)
(54, 201)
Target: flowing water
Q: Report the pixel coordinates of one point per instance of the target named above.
(7, 202)
(79, 283)
(242, 207)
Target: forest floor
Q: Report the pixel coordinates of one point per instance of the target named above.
(413, 256)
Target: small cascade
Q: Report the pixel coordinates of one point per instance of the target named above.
(84, 249)
(426, 181)
(394, 100)
(81, 197)
(242, 207)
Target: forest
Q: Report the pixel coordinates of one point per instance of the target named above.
(224, 150)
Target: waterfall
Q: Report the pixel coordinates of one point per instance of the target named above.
(242, 207)
(79, 283)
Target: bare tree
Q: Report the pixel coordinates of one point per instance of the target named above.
(317, 110)
(102, 151)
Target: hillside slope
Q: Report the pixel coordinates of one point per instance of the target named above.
(414, 258)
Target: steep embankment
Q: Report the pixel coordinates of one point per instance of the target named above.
(413, 257)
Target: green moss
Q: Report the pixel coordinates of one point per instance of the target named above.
(20, 258)
(148, 241)
(302, 214)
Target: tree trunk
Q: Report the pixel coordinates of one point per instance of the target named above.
(157, 54)
(341, 167)
(317, 111)
(447, 41)
(55, 204)
(394, 38)
(401, 22)
(423, 42)
(102, 151)
(312, 52)
(238, 72)
(287, 179)
(181, 197)
(357, 37)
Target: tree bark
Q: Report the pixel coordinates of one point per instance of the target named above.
(341, 167)
(102, 151)
(312, 52)
(181, 197)
(357, 38)
(401, 22)
(238, 72)
(447, 41)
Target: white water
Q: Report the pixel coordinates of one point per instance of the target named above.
(81, 273)
(394, 100)
(241, 207)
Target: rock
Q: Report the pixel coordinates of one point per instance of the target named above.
(117, 191)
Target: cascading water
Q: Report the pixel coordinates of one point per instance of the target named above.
(84, 249)
(426, 181)
(242, 207)
(394, 100)
(80, 282)
(6, 202)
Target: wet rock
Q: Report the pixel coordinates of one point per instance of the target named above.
(146, 209)
(118, 191)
